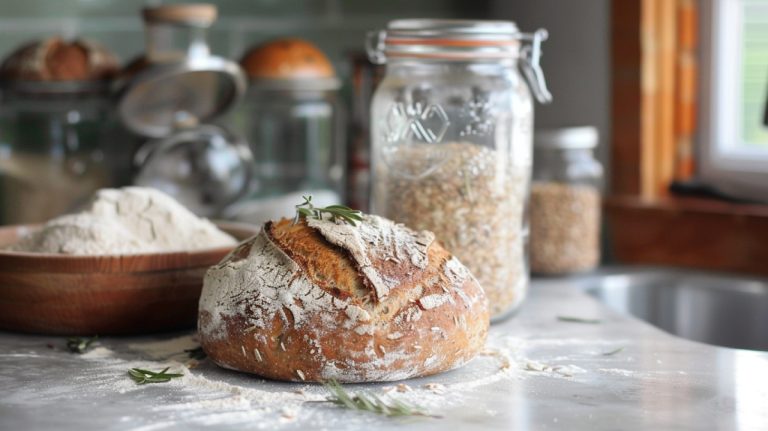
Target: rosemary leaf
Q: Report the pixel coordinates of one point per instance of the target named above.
(141, 376)
(613, 352)
(369, 405)
(80, 345)
(335, 212)
(370, 402)
(578, 320)
(196, 353)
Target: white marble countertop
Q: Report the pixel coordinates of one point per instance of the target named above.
(537, 373)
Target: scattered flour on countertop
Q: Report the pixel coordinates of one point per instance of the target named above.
(201, 396)
(166, 349)
(218, 397)
(210, 396)
(618, 372)
(130, 220)
(98, 352)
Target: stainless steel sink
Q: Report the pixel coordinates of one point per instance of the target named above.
(723, 310)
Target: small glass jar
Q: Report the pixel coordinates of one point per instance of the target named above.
(296, 140)
(565, 201)
(451, 131)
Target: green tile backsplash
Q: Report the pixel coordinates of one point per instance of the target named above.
(337, 26)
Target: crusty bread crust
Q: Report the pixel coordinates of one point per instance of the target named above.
(304, 303)
(287, 58)
(325, 264)
(55, 59)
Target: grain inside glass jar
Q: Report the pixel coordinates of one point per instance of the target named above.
(474, 202)
(565, 227)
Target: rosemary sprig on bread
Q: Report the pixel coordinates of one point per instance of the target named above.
(371, 402)
(335, 212)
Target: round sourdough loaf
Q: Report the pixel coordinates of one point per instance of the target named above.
(321, 300)
(287, 58)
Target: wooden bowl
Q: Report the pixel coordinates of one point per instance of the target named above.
(103, 295)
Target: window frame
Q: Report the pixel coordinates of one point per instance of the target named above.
(725, 163)
(666, 229)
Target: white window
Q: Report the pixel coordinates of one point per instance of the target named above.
(733, 150)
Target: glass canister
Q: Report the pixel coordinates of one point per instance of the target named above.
(451, 130)
(565, 201)
(293, 122)
(57, 132)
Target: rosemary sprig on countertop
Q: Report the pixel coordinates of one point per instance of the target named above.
(613, 352)
(80, 345)
(141, 376)
(578, 320)
(196, 353)
(336, 212)
(371, 403)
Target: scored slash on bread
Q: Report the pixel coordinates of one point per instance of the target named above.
(321, 300)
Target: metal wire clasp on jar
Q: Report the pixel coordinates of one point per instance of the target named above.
(451, 128)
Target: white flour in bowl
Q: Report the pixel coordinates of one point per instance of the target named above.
(130, 220)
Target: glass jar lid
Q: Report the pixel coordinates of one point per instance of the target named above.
(568, 138)
(462, 40)
(451, 39)
(193, 14)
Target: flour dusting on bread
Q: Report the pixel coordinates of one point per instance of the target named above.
(293, 297)
(378, 239)
(267, 281)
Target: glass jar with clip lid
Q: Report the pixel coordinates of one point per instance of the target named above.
(451, 131)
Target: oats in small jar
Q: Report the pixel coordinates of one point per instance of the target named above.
(565, 227)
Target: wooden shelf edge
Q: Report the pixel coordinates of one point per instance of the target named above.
(690, 205)
(694, 233)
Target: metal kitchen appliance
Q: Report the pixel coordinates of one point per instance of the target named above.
(171, 94)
